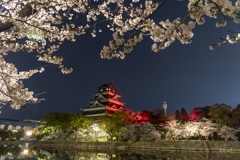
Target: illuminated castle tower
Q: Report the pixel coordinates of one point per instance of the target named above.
(106, 101)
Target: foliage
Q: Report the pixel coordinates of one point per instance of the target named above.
(199, 113)
(83, 135)
(80, 121)
(220, 113)
(205, 111)
(63, 122)
(58, 135)
(93, 133)
(158, 116)
(145, 116)
(112, 123)
(153, 116)
(177, 115)
(19, 134)
(110, 126)
(196, 114)
(126, 116)
(42, 26)
(6, 134)
(235, 115)
(137, 132)
(184, 115)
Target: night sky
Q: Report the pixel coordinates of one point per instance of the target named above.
(186, 76)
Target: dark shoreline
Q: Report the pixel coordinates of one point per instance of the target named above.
(185, 145)
(189, 145)
(17, 142)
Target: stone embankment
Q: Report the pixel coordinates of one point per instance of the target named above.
(17, 142)
(223, 146)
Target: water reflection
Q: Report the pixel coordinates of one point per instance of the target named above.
(21, 151)
(28, 152)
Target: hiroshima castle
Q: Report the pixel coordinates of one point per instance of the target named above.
(106, 101)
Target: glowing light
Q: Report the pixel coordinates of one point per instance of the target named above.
(25, 151)
(29, 133)
(96, 128)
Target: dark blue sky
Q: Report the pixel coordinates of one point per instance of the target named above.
(182, 75)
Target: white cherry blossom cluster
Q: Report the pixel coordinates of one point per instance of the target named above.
(54, 19)
(230, 39)
(169, 32)
(138, 132)
(215, 9)
(202, 129)
(12, 89)
(139, 23)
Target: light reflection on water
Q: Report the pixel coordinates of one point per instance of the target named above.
(26, 152)
(20, 151)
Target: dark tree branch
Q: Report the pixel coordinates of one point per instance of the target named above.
(25, 12)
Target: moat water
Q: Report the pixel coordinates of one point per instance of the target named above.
(29, 152)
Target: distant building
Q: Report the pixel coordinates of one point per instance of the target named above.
(106, 101)
(15, 125)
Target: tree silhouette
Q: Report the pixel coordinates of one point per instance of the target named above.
(184, 115)
(235, 115)
(177, 116)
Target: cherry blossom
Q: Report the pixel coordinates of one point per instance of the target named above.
(42, 26)
(12, 89)
(138, 132)
(202, 129)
